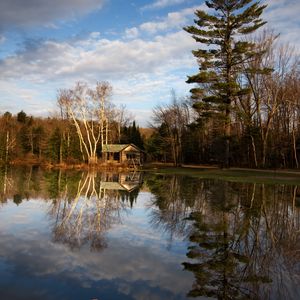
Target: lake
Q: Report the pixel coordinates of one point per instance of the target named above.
(91, 235)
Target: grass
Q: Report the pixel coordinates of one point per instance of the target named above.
(234, 174)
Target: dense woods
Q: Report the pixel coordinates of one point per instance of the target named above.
(243, 109)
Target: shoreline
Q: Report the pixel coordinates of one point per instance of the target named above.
(149, 166)
(200, 171)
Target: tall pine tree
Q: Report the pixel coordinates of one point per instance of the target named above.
(224, 51)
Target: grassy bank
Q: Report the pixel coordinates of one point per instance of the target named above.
(233, 174)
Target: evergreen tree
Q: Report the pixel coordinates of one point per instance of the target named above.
(25, 140)
(22, 117)
(54, 146)
(132, 135)
(221, 59)
(158, 145)
(136, 137)
(39, 140)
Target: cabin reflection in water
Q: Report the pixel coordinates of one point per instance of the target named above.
(121, 181)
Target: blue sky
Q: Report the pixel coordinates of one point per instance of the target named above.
(138, 46)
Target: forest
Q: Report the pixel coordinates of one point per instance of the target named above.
(53, 140)
(243, 109)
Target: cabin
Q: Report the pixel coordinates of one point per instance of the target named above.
(124, 154)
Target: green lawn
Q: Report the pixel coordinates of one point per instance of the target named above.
(235, 175)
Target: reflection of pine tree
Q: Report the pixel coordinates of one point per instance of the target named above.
(223, 267)
(219, 268)
(130, 197)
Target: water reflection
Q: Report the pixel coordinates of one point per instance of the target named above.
(84, 205)
(93, 209)
(175, 198)
(176, 237)
(20, 184)
(243, 238)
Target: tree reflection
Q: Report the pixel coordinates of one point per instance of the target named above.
(238, 248)
(5, 183)
(82, 205)
(243, 238)
(93, 209)
(19, 184)
(175, 197)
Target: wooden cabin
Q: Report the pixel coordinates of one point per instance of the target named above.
(124, 154)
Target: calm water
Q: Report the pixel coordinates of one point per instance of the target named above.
(80, 235)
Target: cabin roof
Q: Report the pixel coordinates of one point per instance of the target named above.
(112, 186)
(117, 147)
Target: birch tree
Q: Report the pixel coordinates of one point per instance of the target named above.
(86, 108)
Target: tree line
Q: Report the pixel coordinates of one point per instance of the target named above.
(245, 100)
(68, 138)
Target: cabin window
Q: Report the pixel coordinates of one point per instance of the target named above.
(117, 156)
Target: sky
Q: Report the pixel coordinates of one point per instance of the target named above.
(138, 46)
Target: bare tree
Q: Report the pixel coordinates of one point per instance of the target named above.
(122, 119)
(87, 110)
(175, 117)
(270, 108)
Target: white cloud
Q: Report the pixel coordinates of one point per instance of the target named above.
(95, 35)
(162, 3)
(131, 33)
(174, 20)
(142, 72)
(94, 56)
(283, 17)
